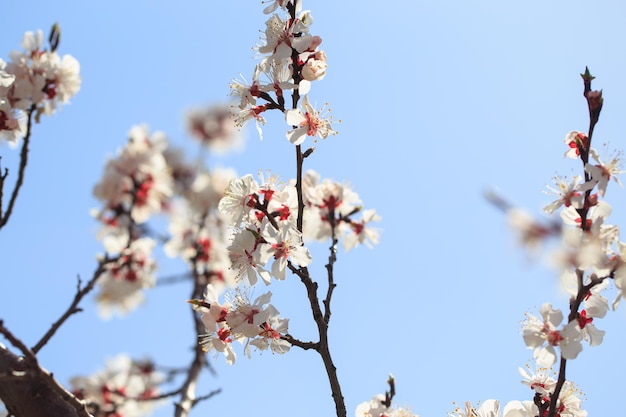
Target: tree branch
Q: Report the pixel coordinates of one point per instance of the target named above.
(4, 217)
(73, 308)
(35, 393)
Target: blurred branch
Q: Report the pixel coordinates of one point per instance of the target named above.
(188, 389)
(174, 279)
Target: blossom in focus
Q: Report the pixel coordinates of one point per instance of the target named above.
(274, 4)
(314, 65)
(372, 408)
(253, 112)
(255, 323)
(245, 257)
(602, 173)
(491, 408)
(568, 194)
(282, 245)
(271, 333)
(594, 306)
(595, 217)
(307, 122)
(238, 199)
(539, 381)
(575, 141)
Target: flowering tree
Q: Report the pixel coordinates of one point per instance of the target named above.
(237, 233)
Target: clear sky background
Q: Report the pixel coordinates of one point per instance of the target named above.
(439, 102)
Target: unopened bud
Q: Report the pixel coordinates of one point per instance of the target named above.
(55, 37)
(587, 78)
(595, 101)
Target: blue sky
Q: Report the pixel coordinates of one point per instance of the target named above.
(438, 100)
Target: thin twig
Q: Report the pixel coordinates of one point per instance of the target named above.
(4, 218)
(73, 308)
(303, 345)
(332, 258)
(207, 396)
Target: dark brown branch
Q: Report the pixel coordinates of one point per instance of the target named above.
(322, 346)
(36, 393)
(4, 217)
(332, 258)
(391, 393)
(303, 345)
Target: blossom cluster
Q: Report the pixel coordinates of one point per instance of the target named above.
(269, 220)
(148, 177)
(125, 388)
(291, 61)
(543, 386)
(135, 185)
(264, 217)
(252, 323)
(590, 254)
(34, 80)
